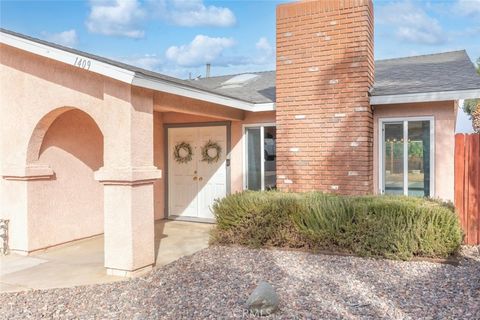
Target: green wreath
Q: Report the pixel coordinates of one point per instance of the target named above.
(206, 156)
(185, 147)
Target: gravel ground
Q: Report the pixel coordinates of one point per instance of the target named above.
(215, 283)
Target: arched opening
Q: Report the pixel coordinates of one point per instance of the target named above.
(69, 205)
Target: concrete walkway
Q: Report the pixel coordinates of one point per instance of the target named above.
(81, 262)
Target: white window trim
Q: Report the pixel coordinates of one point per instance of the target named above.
(262, 151)
(381, 146)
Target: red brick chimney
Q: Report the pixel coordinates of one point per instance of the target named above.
(325, 68)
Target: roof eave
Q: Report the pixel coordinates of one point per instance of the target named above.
(67, 57)
(426, 97)
(198, 94)
(128, 76)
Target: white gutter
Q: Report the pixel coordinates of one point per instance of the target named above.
(189, 92)
(426, 97)
(127, 76)
(269, 106)
(76, 60)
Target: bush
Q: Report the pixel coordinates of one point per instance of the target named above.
(256, 219)
(387, 226)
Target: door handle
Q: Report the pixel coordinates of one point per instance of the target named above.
(195, 178)
(200, 179)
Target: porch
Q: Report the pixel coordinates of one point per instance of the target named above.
(81, 262)
(92, 157)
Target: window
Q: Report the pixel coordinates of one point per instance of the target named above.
(260, 157)
(406, 156)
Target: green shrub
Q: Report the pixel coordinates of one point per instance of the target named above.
(403, 227)
(256, 219)
(392, 227)
(325, 220)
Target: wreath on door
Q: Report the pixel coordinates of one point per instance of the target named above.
(211, 152)
(182, 152)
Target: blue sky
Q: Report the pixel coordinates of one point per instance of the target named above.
(178, 37)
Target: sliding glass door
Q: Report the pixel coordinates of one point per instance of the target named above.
(260, 157)
(406, 159)
(393, 155)
(253, 159)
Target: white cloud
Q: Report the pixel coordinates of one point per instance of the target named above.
(126, 17)
(147, 61)
(469, 7)
(180, 61)
(266, 53)
(263, 44)
(220, 52)
(192, 13)
(412, 23)
(201, 50)
(116, 17)
(66, 38)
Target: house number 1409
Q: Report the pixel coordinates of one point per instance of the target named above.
(82, 63)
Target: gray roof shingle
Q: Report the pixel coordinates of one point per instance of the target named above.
(260, 89)
(449, 71)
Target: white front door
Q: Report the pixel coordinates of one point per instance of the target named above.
(194, 185)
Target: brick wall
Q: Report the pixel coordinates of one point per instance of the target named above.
(325, 69)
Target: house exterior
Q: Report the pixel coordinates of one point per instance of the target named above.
(89, 145)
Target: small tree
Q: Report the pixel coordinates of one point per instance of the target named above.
(476, 118)
(470, 105)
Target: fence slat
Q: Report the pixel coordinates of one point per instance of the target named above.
(467, 185)
(472, 189)
(465, 189)
(460, 176)
(478, 189)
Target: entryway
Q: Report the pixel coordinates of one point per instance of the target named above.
(197, 170)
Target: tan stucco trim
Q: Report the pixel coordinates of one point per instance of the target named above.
(127, 176)
(29, 172)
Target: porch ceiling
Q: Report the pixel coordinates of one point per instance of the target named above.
(166, 102)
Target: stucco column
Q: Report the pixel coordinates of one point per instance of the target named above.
(128, 176)
(14, 202)
(128, 219)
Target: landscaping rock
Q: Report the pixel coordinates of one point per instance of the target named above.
(264, 300)
(206, 285)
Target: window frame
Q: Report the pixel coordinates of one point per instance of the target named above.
(261, 126)
(381, 151)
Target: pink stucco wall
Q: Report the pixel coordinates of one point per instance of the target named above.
(76, 159)
(35, 92)
(444, 114)
(69, 205)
